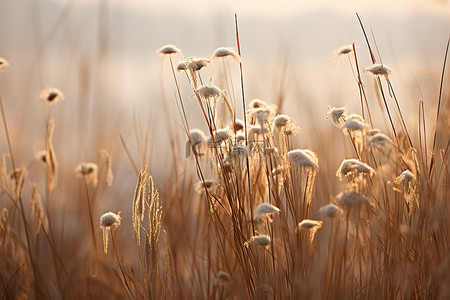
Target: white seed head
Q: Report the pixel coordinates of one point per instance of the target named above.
(209, 92)
(181, 66)
(88, 171)
(310, 224)
(168, 50)
(265, 210)
(51, 95)
(197, 136)
(353, 166)
(281, 121)
(257, 103)
(337, 115)
(378, 70)
(406, 177)
(380, 139)
(110, 219)
(258, 240)
(331, 211)
(354, 123)
(261, 114)
(344, 50)
(3, 64)
(226, 52)
(222, 134)
(351, 199)
(196, 63)
(303, 158)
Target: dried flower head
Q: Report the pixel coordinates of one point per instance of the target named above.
(281, 121)
(310, 225)
(351, 199)
(223, 52)
(354, 167)
(168, 50)
(196, 63)
(337, 115)
(406, 178)
(109, 221)
(222, 135)
(182, 66)
(210, 92)
(258, 240)
(197, 136)
(257, 103)
(378, 70)
(51, 95)
(354, 123)
(88, 171)
(3, 64)
(380, 139)
(331, 211)
(304, 158)
(265, 210)
(344, 50)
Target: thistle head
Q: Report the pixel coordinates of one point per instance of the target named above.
(110, 220)
(378, 70)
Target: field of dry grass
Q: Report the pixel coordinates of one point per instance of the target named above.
(243, 209)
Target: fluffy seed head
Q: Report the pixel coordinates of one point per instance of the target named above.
(51, 95)
(406, 178)
(110, 219)
(222, 134)
(197, 136)
(209, 92)
(257, 103)
(258, 240)
(354, 123)
(88, 171)
(310, 224)
(265, 210)
(304, 158)
(380, 139)
(226, 52)
(337, 115)
(168, 50)
(331, 211)
(281, 121)
(344, 50)
(378, 70)
(353, 166)
(196, 63)
(351, 199)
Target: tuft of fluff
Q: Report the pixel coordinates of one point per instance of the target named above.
(406, 178)
(331, 211)
(344, 50)
(182, 66)
(310, 224)
(258, 103)
(378, 70)
(196, 63)
(168, 50)
(3, 64)
(304, 158)
(258, 240)
(209, 92)
(226, 52)
(281, 121)
(51, 95)
(380, 139)
(222, 134)
(337, 115)
(265, 210)
(355, 166)
(354, 123)
(197, 136)
(351, 199)
(261, 115)
(110, 219)
(88, 171)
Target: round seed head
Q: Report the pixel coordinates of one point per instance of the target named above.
(331, 211)
(110, 219)
(258, 240)
(303, 158)
(168, 50)
(226, 52)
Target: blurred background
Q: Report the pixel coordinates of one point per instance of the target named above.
(102, 55)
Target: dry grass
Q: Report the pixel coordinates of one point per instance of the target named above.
(246, 215)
